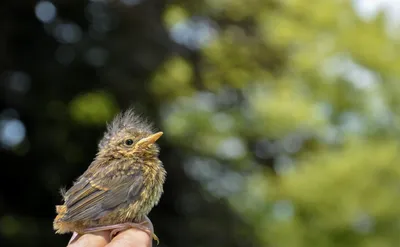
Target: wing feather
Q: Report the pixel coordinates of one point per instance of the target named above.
(92, 197)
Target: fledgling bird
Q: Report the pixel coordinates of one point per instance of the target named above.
(120, 187)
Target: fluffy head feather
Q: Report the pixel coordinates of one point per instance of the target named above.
(125, 123)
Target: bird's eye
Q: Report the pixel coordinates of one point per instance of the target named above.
(129, 142)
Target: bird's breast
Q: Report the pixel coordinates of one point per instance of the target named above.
(154, 178)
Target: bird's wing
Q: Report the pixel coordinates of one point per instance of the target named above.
(92, 197)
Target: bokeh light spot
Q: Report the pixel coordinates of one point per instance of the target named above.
(194, 34)
(202, 169)
(231, 148)
(205, 101)
(45, 11)
(12, 132)
(283, 210)
(68, 33)
(283, 165)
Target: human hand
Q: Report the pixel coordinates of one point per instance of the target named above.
(129, 238)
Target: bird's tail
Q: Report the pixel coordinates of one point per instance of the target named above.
(58, 224)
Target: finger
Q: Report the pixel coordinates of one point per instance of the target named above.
(133, 238)
(96, 239)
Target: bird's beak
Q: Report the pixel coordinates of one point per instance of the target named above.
(150, 139)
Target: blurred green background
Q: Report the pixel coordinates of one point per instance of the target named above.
(281, 118)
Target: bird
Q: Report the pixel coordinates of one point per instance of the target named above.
(121, 185)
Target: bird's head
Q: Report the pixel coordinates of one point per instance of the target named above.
(129, 136)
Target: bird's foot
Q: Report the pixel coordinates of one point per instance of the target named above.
(145, 226)
(141, 226)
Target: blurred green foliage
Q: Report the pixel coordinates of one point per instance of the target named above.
(93, 108)
(326, 108)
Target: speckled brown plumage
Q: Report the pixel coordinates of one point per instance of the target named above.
(122, 184)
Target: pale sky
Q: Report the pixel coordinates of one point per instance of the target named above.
(367, 9)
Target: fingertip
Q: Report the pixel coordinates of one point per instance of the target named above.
(131, 237)
(96, 239)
